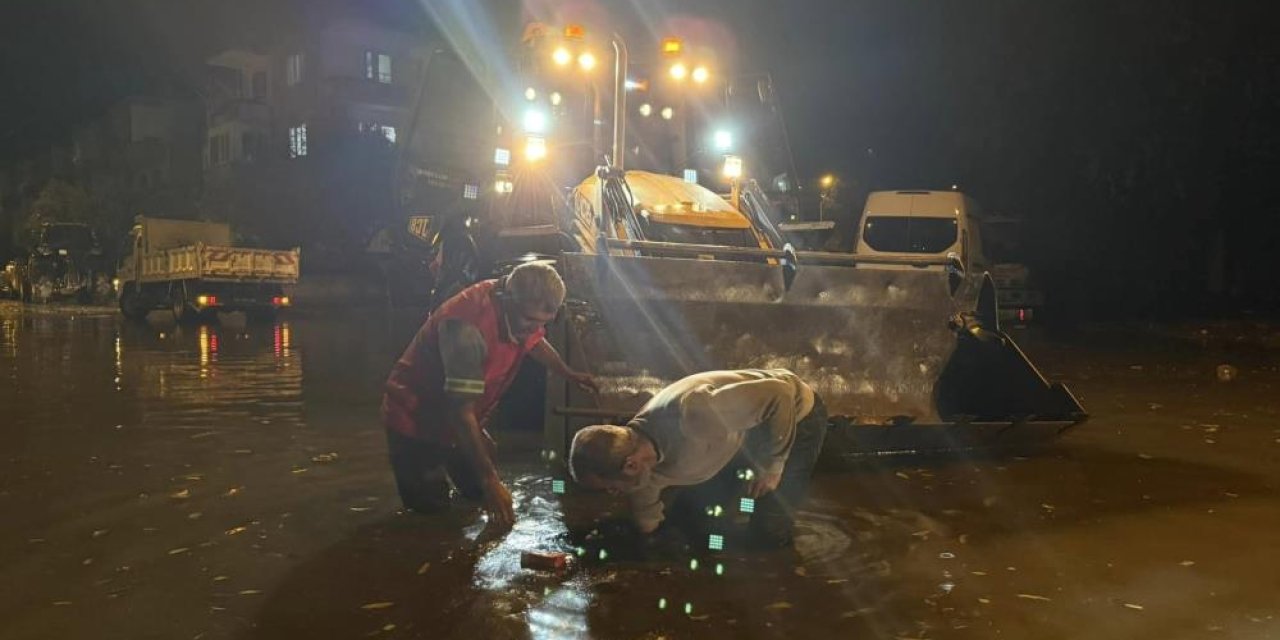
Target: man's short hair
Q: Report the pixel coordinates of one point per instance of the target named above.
(536, 283)
(601, 451)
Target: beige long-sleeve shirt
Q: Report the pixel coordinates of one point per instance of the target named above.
(700, 422)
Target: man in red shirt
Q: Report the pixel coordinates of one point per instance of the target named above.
(445, 386)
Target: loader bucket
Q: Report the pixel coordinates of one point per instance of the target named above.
(881, 347)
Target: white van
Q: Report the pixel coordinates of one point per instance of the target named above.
(914, 224)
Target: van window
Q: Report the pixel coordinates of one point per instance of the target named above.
(893, 234)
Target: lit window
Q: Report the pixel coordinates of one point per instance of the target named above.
(386, 131)
(298, 141)
(471, 191)
(377, 66)
(293, 69)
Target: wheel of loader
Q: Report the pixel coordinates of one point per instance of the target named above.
(131, 303)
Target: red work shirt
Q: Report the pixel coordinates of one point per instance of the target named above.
(418, 392)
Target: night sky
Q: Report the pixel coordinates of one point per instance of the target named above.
(1128, 133)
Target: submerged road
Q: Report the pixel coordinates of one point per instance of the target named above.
(229, 481)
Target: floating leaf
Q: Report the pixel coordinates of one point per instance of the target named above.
(778, 606)
(174, 552)
(424, 567)
(300, 470)
(1136, 607)
(181, 495)
(374, 606)
(250, 592)
(1029, 596)
(236, 530)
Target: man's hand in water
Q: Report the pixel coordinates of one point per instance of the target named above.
(497, 503)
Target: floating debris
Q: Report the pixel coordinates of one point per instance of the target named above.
(174, 552)
(423, 569)
(984, 600)
(778, 606)
(101, 532)
(1031, 596)
(375, 606)
(232, 491)
(204, 434)
(237, 530)
(220, 578)
(298, 470)
(947, 555)
(1187, 563)
(360, 509)
(1136, 607)
(181, 495)
(194, 515)
(61, 603)
(325, 458)
(250, 592)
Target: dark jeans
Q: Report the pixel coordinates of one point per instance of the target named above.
(424, 470)
(773, 520)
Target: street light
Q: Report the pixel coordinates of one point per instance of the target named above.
(668, 113)
(587, 61)
(679, 71)
(701, 74)
(530, 94)
(827, 181)
(556, 98)
(646, 109)
(561, 56)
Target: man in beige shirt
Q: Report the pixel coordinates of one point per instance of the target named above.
(766, 421)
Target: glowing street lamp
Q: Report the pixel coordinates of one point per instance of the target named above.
(587, 61)
(701, 74)
(668, 113)
(530, 94)
(827, 181)
(646, 110)
(679, 71)
(561, 56)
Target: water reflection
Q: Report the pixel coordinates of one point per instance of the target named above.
(557, 608)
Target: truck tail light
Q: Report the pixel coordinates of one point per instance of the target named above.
(280, 301)
(206, 301)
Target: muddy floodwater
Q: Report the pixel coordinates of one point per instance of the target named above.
(228, 480)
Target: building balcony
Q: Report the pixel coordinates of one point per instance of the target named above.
(254, 113)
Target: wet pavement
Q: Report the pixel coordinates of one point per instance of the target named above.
(229, 481)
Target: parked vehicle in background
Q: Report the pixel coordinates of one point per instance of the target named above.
(1020, 299)
(9, 285)
(64, 261)
(191, 267)
(914, 224)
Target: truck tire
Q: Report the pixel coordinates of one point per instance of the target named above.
(131, 303)
(178, 301)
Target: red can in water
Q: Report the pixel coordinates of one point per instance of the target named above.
(544, 560)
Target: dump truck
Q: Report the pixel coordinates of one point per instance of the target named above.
(189, 267)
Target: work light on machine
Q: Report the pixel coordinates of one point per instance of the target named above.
(732, 167)
(561, 56)
(587, 61)
(530, 94)
(534, 121)
(701, 74)
(646, 110)
(668, 113)
(723, 139)
(672, 46)
(535, 148)
(679, 71)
